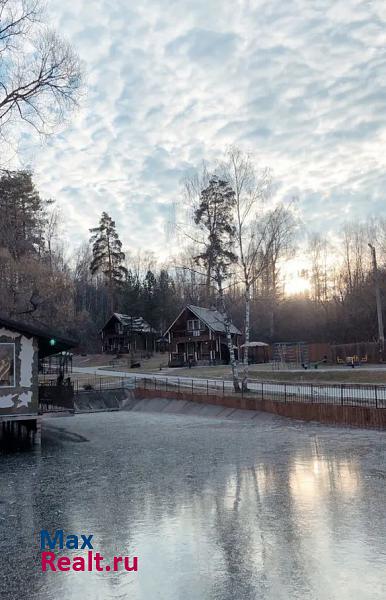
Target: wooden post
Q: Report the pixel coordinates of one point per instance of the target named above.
(381, 335)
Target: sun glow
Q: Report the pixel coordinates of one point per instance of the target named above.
(295, 274)
(296, 284)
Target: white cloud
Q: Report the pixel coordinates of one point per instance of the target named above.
(300, 84)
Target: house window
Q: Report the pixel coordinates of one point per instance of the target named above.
(7, 365)
(194, 325)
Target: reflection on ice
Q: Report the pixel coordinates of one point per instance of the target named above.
(316, 479)
(217, 510)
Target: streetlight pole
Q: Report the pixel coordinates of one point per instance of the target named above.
(381, 335)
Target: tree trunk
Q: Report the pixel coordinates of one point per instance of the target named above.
(273, 303)
(272, 320)
(244, 379)
(207, 283)
(110, 277)
(227, 322)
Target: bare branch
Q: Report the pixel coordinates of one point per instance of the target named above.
(40, 78)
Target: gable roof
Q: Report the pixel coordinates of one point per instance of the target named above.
(43, 333)
(137, 324)
(210, 316)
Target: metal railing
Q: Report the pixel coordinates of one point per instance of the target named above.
(53, 398)
(338, 394)
(344, 394)
(90, 383)
(101, 383)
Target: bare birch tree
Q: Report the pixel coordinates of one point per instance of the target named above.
(261, 234)
(251, 189)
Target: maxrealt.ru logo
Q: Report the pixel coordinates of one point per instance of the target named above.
(92, 561)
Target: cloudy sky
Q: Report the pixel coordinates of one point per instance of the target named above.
(301, 84)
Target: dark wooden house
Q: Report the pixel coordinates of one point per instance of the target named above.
(197, 336)
(123, 333)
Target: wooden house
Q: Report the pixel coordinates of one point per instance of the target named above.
(197, 336)
(123, 333)
(22, 346)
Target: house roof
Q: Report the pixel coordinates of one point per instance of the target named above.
(210, 316)
(255, 345)
(137, 324)
(44, 334)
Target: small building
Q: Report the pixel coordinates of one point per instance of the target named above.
(124, 333)
(258, 352)
(22, 346)
(197, 336)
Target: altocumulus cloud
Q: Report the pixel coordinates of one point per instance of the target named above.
(300, 84)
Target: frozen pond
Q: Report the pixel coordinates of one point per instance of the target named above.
(217, 509)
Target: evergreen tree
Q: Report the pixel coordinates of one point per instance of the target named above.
(148, 297)
(107, 256)
(214, 216)
(165, 300)
(131, 295)
(23, 215)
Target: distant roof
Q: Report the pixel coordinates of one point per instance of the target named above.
(210, 316)
(255, 345)
(44, 334)
(137, 324)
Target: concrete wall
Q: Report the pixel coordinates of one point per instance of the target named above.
(21, 399)
(324, 413)
(100, 400)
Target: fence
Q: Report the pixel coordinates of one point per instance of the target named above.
(362, 395)
(89, 383)
(101, 383)
(54, 397)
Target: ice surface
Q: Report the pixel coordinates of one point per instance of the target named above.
(215, 508)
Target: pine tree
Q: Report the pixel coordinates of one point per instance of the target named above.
(165, 304)
(24, 281)
(214, 216)
(132, 295)
(148, 296)
(23, 215)
(107, 256)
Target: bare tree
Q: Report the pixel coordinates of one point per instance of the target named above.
(250, 188)
(356, 262)
(52, 231)
(193, 186)
(261, 234)
(40, 74)
(278, 242)
(318, 250)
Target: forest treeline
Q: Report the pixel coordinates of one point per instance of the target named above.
(76, 291)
